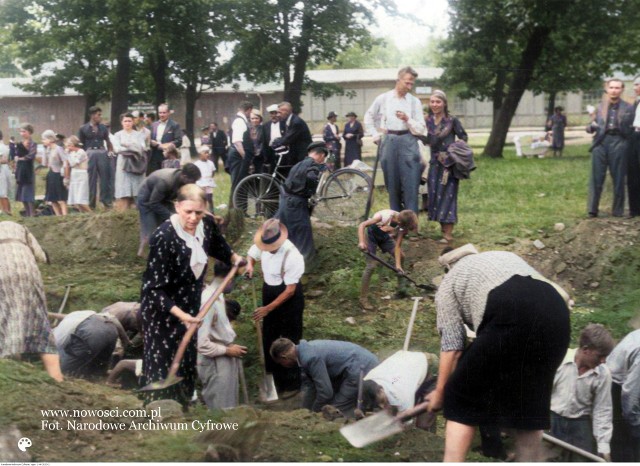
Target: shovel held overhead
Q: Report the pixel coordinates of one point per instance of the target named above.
(172, 377)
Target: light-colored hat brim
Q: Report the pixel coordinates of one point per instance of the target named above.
(257, 239)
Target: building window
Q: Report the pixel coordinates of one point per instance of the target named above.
(593, 97)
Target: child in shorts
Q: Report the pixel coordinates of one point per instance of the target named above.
(381, 229)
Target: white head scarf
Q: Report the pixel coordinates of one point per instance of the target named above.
(194, 242)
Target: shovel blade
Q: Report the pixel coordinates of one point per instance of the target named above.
(161, 384)
(267, 390)
(371, 429)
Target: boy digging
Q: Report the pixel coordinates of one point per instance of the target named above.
(381, 228)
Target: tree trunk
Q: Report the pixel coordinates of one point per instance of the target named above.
(158, 68)
(89, 101)
(293, 93)
(191, 96)
(517, 86)
(551, 104)
(498, 93)
(120, 91)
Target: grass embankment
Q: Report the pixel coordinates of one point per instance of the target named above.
(507, 201)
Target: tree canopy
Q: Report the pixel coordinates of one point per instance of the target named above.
(277, 40)
(497, 49)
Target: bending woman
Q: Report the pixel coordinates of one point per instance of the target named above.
(172, 285)
(443, 186)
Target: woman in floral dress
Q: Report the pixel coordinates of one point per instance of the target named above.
(443, 186)
(171, 289)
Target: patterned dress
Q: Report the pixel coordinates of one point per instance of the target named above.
(24, 325)
(168, 281)
(443, 186)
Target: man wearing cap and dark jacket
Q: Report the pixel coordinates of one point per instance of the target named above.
(299, 187)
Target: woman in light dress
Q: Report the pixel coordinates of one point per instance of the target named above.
(127, 143)
(56, 193)
(79, 181)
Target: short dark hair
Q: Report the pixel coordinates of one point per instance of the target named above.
(27, 127)
(232, 307)
(126, 115)
(595, 336)
(220, 269)
(151, 115)
(280, 347)
(245, 105)
(94, 109)
(191, 173)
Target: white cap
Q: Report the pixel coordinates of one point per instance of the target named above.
(272, 108)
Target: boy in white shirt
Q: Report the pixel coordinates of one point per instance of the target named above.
(207, 170)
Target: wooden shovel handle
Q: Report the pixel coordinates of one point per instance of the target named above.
(191, 330)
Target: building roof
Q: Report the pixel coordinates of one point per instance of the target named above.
(9, 88)
(369, 75)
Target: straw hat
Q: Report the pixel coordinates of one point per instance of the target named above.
(271, 235)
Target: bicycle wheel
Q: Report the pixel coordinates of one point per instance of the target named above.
(345, 194)
(257, 196)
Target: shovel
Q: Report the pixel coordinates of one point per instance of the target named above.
(389, 266)
(379, 426)
(172, 377)
(267, 389)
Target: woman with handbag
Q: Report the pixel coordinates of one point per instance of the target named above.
(131, 165)
(443, 186)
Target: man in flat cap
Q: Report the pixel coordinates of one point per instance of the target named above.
(300, 186)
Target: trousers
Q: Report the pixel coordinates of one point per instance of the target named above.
(611, 153)
(400, 161)
(100, 169)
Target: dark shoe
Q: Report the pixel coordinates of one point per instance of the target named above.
(400, 295)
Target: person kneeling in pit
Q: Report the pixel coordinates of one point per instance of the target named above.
(86, 341)
(218, 356)
(381, 230)
(330, 371)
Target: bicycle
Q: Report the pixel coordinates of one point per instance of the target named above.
(341, 195)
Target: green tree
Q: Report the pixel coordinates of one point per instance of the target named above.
(58, 45)
(200, 27)
(498, 49)
(278, 39)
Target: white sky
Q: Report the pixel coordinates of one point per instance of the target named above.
(404, 32)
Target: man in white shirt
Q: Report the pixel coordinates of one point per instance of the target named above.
(274, 129)
(5, 178)
(282, 299)
(240, 150)
(397, 115)
(581, 398)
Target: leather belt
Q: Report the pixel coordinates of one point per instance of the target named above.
(398, 133)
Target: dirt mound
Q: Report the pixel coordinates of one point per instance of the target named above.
(585, 257)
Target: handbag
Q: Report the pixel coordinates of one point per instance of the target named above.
(134, 162)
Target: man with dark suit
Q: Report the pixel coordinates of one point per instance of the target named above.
(94, 137)
(218, 142)
(633, 167)
(612, 125)
(165, 131)
(296, 137)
